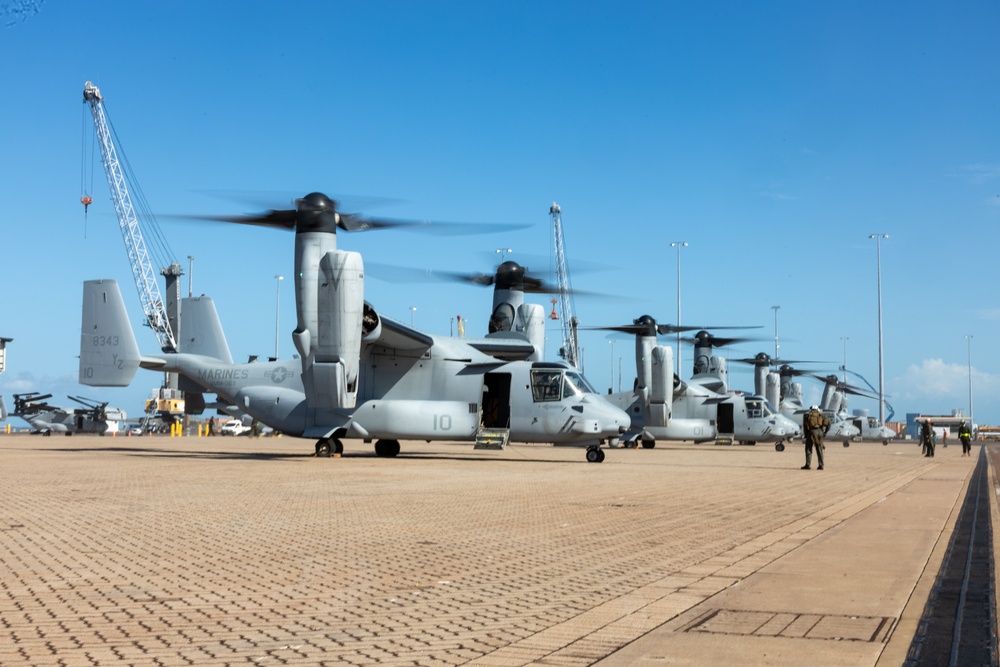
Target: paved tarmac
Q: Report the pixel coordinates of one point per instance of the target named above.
(214, 551)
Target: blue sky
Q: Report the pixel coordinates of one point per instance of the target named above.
(773, 137)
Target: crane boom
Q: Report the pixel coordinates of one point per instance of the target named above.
(128, 221)
(570, 349)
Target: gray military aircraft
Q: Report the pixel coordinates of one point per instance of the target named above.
(871, 428)
(360, 374)
(45, 419)
(781, 384)
(664, 407)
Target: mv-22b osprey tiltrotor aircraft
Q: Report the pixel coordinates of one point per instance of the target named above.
(780, 388)
(360, 374)
(663, 407)
(45, 419)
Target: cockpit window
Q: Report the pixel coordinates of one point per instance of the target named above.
(579, 383)
(546, 385)
(755, 408)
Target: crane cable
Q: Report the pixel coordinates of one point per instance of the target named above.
(85, 187)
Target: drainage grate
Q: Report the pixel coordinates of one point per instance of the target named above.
(786, 624)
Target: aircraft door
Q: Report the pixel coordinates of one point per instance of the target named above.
(726, 423)
(496, 400)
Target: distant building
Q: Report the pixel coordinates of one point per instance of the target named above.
(3, 353)
(943, 424)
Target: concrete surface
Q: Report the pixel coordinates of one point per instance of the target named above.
(213, 551)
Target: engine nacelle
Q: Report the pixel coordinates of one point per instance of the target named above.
(717, 365)
(772, 388)
(531, 322)
(661, 394)
(331, 308)
(644, 360)
(829, 402)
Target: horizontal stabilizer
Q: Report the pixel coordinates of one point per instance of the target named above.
(109, 355)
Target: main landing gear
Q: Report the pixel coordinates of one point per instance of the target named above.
(387, 448)
(595, 454)
(327, 447)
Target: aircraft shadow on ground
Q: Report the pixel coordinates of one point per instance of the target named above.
(158, 452)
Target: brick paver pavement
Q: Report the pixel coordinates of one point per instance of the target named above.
(175, 551)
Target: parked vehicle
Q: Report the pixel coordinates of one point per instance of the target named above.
(234, 427)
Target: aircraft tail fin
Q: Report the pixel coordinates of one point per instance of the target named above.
(201, 331)
(109, 354)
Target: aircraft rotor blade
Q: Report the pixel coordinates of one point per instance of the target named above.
(719, 341)
(318, 212)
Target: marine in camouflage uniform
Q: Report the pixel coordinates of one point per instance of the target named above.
(814, 426)
(927, 437)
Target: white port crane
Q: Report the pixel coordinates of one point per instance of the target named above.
(128, 221)
(570, 349)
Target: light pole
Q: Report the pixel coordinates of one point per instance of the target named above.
(413, 309)
(503, 253)
(881, 369)
(775, 309)
(678, 245)
(611, 387)
(190, 276)
(277, 311)
(972, 421)
(844, 367)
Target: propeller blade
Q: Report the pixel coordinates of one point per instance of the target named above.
(762, 359)
(318, 212)
(276, 219)
(508, 275)
(720, 341)
(833, 381)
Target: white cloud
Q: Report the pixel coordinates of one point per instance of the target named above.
(935, 381)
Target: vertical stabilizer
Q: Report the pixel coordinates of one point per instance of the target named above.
(109, 355)
(203, 332)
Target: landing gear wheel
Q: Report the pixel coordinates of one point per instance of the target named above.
(648, 444)
(323, 448)
(847, 443)
(338, 446)
(779, 447)
(387, 448)
(594, 455)
(885, 443)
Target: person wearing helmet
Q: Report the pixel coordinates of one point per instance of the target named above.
(927, 437)
(814, 427)
(965, 435)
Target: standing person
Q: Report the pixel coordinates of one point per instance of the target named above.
(211, 425)
(814, 427)
(965, 435)
(927, 437)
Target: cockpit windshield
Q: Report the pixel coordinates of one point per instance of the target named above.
(579, 383)
(554, 385)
